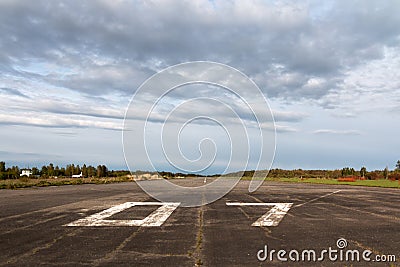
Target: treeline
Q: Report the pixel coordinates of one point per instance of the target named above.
(173, 175)
(331, 174)
(50, 170)
(327, 174)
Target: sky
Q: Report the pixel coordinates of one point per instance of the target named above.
(330, 71)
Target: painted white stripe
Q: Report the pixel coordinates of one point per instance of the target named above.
(273, 217)
(249, 204)
(315, 199)
(156, 218)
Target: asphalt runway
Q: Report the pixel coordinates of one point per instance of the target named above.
(92, 225)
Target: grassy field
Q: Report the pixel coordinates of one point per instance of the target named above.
(373, 183)
(27, 182)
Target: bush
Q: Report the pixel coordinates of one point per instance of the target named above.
(394, 176)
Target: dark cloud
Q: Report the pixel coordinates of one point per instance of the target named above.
(98, 47)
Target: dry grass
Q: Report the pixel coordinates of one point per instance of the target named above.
(24, 182)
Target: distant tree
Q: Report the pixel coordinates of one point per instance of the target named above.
(101, 171)
(347, 171)
(91, 171)
(62, 172)
(363, 171)
(50, 170)
(69, 170)
(386, 172)
(98, 173)
(3, 174)
(44, 171)
(398, 165)
(84, 171)
(77, 169)
(35, 171)
(57, 171)
(2, 166)
(104, 170)
(13, 172)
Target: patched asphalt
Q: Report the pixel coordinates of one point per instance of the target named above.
(33, 227)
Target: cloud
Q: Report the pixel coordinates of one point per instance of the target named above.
(288, 47)
(51, 121)
(13, 92)
(337, 132)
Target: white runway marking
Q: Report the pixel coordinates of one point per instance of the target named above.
(156, 218)
(273, 217)
(315, 199)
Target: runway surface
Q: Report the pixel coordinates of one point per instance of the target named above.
(115, 225)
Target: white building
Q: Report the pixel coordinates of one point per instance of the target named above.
(26, 172)
(77, 175)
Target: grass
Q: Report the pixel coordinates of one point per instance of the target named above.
(372, 183)
(25, 182)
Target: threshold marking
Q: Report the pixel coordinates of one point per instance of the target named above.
(156, 218)
(273, 217)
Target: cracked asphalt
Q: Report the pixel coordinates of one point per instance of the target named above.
(33, 227)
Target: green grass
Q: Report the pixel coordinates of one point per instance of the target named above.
(25, 182)
(373, 183)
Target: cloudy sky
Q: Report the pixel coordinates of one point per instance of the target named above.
(329, 69)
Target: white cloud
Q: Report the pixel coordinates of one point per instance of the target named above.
(339, 132)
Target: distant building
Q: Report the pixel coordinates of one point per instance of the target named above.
(26, 172)
(77, 175)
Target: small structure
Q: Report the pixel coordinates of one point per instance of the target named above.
(77, 175)
(26, 172)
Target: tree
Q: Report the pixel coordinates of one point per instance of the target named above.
(57, 171)
(101, 171)
(398, 165)
(347, 171)
(363, 172)
(2, 166)
(386, 172)
(77, 169)
(69, 170)
(35, 171)
(91, 171)
(13, 172)
(50, 169)
(84, 171)
(98, 173)
(3, 174)
(104, 170)
(44, 171)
